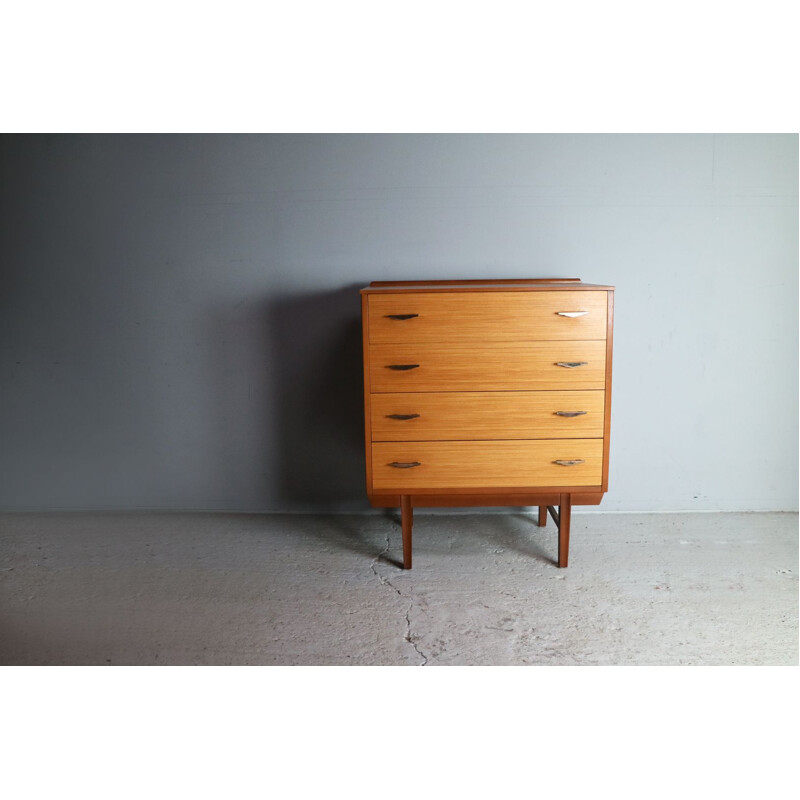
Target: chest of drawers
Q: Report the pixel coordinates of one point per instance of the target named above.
(482, 393)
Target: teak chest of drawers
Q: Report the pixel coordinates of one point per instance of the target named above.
(482, 393)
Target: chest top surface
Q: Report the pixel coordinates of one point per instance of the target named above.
(496, 285)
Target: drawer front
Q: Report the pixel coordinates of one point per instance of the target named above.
(410, 416)
(501, 366)
(487, 316)
(465, 464)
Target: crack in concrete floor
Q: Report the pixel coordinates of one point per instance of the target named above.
(409, 637)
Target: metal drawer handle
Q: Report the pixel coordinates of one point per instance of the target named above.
(571, 313)
(404, 464)
(569, 413)
(407, 316)
(571, 364)
(408, 416)
(403, 366)
(569, 462)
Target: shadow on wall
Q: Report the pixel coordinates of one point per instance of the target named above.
(318, 401)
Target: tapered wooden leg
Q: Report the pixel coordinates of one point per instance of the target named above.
(407, 513)
(542, 516)
(564, 515)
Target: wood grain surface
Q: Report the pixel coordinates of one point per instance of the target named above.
(487, 415)
(487, 316)
(486, 464)
(495, 366)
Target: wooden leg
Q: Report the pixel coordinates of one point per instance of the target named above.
(542, 516)
(564, 514)
(407, 513)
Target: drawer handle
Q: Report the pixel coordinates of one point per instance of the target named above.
(404, 464)
(403, 367)
(571, 364)
(569, 413)
(569, 462)
(571, 313)
(408, 416)
(404, 316)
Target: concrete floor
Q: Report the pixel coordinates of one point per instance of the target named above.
(225, 589)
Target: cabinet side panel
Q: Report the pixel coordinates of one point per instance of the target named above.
(607, 420)
(367, 410)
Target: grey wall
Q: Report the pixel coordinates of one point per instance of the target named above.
(180, 321)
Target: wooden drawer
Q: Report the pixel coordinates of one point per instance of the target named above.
(497, 366)
(487, 415)
(466, 464)
(487, 317)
